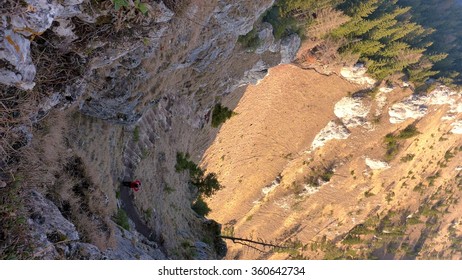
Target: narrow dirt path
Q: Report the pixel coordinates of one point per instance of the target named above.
(129, 208)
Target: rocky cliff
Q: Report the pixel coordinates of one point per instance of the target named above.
(116, 94)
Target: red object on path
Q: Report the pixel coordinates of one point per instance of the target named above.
(135, 185)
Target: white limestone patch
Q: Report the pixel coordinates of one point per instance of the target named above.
(441, 96)
(455, 109)
(376, 164)
(309, 190)
(330, 132)
(351, 111)
(457, 127)
(413, 107)
(283, 203)
(416, 106)
(266, 190)
(381, 100)
(357, 75)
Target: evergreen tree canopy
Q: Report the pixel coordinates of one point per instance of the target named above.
(386, 39)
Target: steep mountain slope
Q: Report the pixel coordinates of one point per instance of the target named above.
(154, 79)
(326, 163)
(346, 197)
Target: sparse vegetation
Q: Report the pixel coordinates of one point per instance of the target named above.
(390, 196)
(14, 242)
(178, 6)
(283, 24)
(250, 41)
(207, 185)
(220, 114)
(408, 132)
(407, 157)
(448, 155)
(148, 213)
(169, 189)
(121, 219)
(368, 193)
(136, 134)
(351, 239)
(201, 207)
(320, 175)
(393, 144)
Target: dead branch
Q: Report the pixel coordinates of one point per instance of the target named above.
(243, 240)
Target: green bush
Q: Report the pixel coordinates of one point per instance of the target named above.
(120, 3)
(220, 114)
(14, 238)
(448, 155)
(414, 220)
(392, 146)
(408, 157)
(136, 134)
(392, 142)
(327, 175)
(250, 40)
(142, 7)
(351, 240)
(121, 219)
(183, 163)
(283, 24)
(408, 132)
(201, 207)
(206, 184)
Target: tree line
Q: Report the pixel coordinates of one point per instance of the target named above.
(415, 38)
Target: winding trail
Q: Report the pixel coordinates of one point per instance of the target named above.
(129, 208)
(133, 153)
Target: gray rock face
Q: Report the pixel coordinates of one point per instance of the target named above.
(162, 72)
(112, 78)
(254, 75)
(289, 48)
(53, 235)
(267, 39)
(56, 237)
(17, 68)
(132, 245)
(15, 44)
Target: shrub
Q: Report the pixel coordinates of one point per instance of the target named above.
(392, 143)
(327, 175)
(448, 155)
(206, 184)
(183, 163)
(351, 240)
(121, 219)
(392, 146)
(220, 114)
(283, 24)
(136, 134)
(408, 132)
(414, 220)
(408, 157)
(250, 40)
(14, 240)
(201, 207)
(120, 3)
